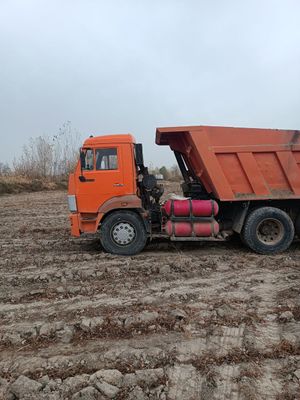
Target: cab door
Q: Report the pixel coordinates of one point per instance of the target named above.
(102, 177)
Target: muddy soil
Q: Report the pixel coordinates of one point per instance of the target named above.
(192, 321)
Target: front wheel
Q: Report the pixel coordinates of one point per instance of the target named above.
(268, 230)
(123, 233)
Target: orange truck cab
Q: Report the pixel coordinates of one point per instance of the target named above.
(235, 181)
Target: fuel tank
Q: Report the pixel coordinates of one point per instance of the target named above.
(191, 208)
(190, 228)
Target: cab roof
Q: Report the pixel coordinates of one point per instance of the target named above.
(109, 139)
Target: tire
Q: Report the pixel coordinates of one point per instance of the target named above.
(123, 233)
(268, 230)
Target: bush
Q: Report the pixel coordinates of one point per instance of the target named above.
(17, 184)
(171, 174)
(164, 172)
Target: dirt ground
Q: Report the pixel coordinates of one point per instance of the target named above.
(193, 321)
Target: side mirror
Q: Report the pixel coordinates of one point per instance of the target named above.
(139, 158)
(82, 160)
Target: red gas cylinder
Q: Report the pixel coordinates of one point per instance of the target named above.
(185, 208)
(207, 228)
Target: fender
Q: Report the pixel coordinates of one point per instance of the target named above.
(119, 202)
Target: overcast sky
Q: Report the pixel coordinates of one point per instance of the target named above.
(132, 65)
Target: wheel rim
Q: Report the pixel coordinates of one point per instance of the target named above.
(123, 233)
(270, 231)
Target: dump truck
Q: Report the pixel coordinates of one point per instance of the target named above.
(235, 181)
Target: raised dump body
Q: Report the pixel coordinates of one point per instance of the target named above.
(239, 163)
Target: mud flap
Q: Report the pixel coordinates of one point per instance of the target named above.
(240, 217)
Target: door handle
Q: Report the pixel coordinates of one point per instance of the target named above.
(118, 184)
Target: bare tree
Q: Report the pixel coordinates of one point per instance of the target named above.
(36, 159)
(65, 149)
(45, 156)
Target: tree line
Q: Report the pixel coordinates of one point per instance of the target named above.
(48, 157)
(169, 174)
(54, 157)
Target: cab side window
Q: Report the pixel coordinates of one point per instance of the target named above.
(89, 160)
(106, 159)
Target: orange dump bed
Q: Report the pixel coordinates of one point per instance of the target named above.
(239, 163)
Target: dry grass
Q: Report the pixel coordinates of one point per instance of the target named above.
(125, 367)
(108, 330)
(252, 371)
(17, 184)
(238, 356)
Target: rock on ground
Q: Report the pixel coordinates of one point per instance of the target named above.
(24, 386)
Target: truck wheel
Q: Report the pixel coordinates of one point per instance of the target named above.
(268, 230)
(123, 233)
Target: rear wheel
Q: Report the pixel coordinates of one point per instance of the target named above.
(123, 233)
(268, 230)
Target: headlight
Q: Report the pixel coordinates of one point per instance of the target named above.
(72, 203)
